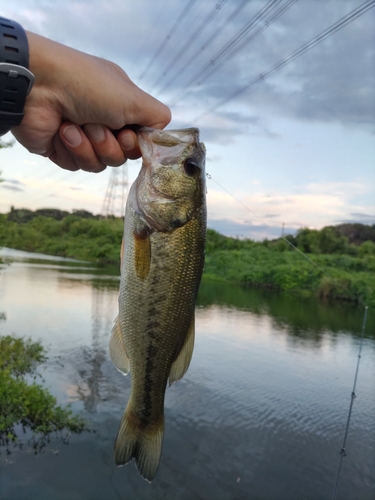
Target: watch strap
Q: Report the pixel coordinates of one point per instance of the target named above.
(15, 78)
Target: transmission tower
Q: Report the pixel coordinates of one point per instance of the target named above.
(116, 193)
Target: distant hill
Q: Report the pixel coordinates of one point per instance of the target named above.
(23, 215)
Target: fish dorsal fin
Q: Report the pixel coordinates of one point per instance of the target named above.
(117, 350)
(142, 253)
(181, 363)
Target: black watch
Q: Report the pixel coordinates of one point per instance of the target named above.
(15, 78)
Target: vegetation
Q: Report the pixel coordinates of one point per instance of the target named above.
(344, 255)
(78, 235)
(28, 405)
(4, 145)
(340, 269)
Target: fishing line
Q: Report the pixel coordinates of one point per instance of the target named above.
(266, 224)
(353, 395)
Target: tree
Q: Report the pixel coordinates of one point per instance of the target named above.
(4, 145)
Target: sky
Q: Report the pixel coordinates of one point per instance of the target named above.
(295, 149)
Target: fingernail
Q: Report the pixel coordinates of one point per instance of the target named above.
(95, 132)
(72, 135)
(127, 142)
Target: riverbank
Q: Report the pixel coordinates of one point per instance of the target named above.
(341, 270)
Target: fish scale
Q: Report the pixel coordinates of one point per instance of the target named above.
(162, 264)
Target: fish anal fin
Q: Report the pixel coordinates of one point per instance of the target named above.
(142, 253)
(117, 349)
(181, 363)
(143, 443)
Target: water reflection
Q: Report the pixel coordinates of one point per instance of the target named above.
(254, 417)
(301, 317)
(93, 376)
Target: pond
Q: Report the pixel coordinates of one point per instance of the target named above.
(260, 414)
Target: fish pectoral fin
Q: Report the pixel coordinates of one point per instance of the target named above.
(117, 349)
(181, 363)
(142, 253)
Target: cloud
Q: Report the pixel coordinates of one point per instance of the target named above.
(11, 187)
(358, 218)
(365, 216)
(314, 206)
(334, 81)
(14, 181)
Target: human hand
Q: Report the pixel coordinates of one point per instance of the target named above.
(76, 103)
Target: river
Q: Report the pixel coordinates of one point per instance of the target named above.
(260, 414)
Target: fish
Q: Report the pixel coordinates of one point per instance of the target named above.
(162, 260)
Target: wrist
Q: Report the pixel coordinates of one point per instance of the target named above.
(15, 78)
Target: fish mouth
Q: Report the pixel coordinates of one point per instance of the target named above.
(166, 145)
(169, 138)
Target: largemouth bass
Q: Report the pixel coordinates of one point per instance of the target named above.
(162, 263)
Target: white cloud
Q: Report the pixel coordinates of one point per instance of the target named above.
(317, 206)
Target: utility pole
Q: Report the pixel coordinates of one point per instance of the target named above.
(116, 193)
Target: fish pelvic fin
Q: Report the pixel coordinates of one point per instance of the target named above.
(117, 349)
(181, 363)
(143, 442)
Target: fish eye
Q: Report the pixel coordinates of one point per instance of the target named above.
(191, 166)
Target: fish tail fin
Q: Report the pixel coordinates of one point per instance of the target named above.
(141, 442)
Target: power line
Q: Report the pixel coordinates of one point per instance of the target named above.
(233, 45)
(341, 23)
(206, 21)
(156, 23)
(234, 40)
(168, 37)
(215, 34)
(249, 39)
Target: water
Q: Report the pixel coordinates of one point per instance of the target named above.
(260, 414)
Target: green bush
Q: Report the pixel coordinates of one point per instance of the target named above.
(29, 405)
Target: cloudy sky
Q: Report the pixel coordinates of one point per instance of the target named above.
(295, 148)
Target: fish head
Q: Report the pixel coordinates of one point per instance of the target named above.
(171, 184)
